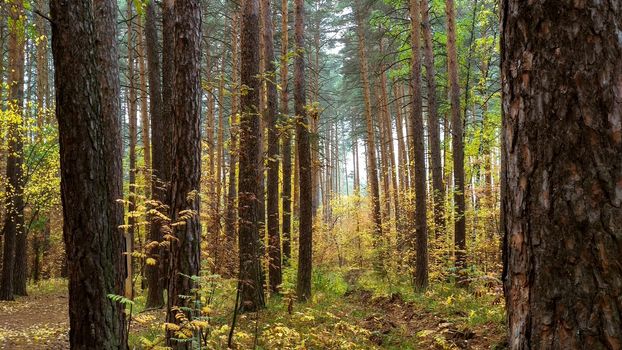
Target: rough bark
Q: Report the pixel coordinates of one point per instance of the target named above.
(456, 136)
(186, 176)
(88, 113)
(162, 138)
(434, 137)
(303, 148)
(272, 181)
(251, 289)
(13, 229)
(286, 191)
(562, 174)
(416, 129)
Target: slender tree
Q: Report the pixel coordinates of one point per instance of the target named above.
(86, 76)
(286, 191)
(272, 181)
(372, 172)
(434, 139)
(162, 157)
(305, 241)
(562, 149)
(250, 276)
(13, 229)
(456, 136)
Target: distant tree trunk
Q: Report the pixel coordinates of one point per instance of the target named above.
(274, 236)
(372, 173)
(231, 210)
(251, 289)
(87, 108)
(305, 240)
(434, 139)
(186, 176)
(162, 158)
(456, 136)
(13, 229)
(562, 111)
(144, 112)
(416, 127)
(132, 115)
(286, 191)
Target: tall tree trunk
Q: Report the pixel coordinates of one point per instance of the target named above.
(162, 158)
(389, 140)
(132, 115)
(186, 176)
(274, 237)
(416, 127)
(372, 172)
(250, 276)
(144, 112)
(562, 111)
(87, 108)
(286, 191)
(303, 148)
(231, 217)
(456, 136)
(13, 229)
(434, 140)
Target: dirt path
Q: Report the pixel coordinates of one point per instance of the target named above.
(38, 321)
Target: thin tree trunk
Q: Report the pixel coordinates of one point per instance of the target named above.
(132, 115)
(162, 158)
(434, 140)
(144, 112)
(456, 136)
(13, 229)
(372, 173)
(274, 237)
(416, 126)
(286, 191)
(305, 167)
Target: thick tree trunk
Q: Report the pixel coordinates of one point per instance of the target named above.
(456, 136)
(562, 174)
(416, 127)
(13, 229)
(272, 182)
(372, 172)
(88, 113)
(434, 137)
(162, 148)
(286, 191)
(186, 176)
(303, 148)
(250, 276)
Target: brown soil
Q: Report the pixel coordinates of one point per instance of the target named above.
(38, 321)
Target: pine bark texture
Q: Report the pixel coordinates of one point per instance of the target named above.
(186, 176)
(303, 148)
(88, 113)
(286, 190)
(456, 136)
(162, 138)
(250, 275)
(416, 129)
(272, 181)
(13, 280)
(562, 173)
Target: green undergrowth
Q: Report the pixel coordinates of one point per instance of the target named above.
(346, 312)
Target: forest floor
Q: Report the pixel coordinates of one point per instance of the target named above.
(37, 321)
(349, 310)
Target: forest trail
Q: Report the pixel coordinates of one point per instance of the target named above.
(37, 321)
